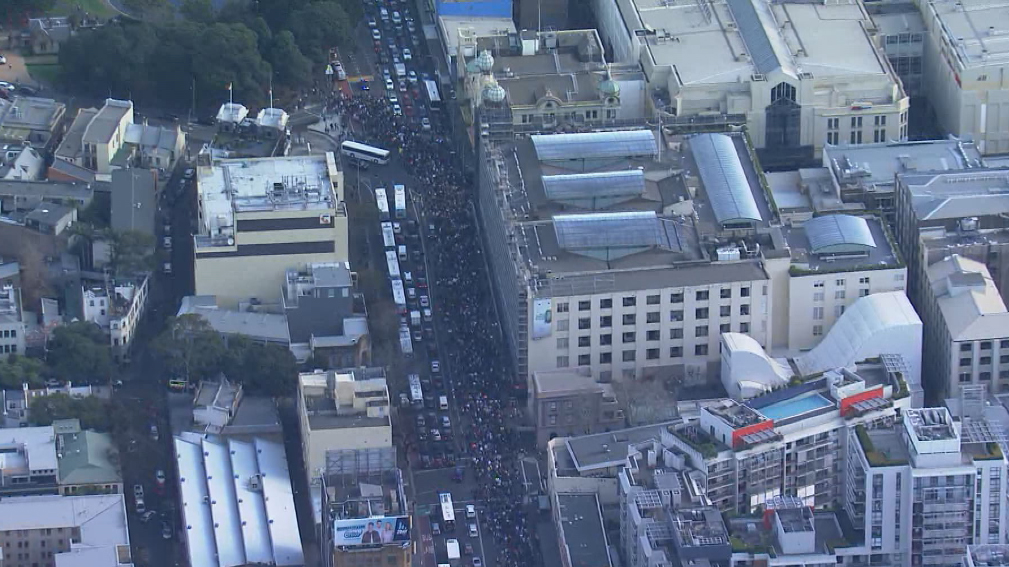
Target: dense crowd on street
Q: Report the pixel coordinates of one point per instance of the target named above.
(481, 380)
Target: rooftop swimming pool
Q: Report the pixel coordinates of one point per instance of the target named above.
(795, 406)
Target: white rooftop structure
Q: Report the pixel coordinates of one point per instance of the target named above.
(968, 299)
(877, 324)
(30, 449)
(264, 184)
(232, 112)
(237, 502)
(275, 118)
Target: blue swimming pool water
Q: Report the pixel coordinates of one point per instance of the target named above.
(795, 406)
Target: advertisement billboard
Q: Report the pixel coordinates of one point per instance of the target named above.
(381, 530)
(542, 318)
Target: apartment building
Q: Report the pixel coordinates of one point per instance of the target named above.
(69, 531)
(326, 315)
(342, 410)
(29, 458)
(798, 75)
(96, 135)
(941, 215)
(17, 403)
(12, 323)
(571, 402)
(921, 489)
(265, 216)
(993, 555)
(117, 308)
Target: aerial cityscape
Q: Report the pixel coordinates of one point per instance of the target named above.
(504, 283)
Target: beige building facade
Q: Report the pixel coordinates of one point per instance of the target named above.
(566, 402)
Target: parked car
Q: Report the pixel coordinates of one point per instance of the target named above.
(138, 491)
(154, 433)
(190, 173)
(167, 242)
(477, 562)
(376, 35)
(159, 475)
(146, 516)
(166, 530)
(407, 55)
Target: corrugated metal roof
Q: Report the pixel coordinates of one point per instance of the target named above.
(595, 145)
(197, 521)
(603, 184)
(278, 495)
(837, 233)
(724, 179)
(763, 42)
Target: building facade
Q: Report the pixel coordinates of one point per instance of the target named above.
(96, 136)
(12, 323)
(566, 402)
(117, 308)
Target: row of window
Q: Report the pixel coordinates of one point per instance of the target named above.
(9, 349)
(9, 334)
(651, 335)
(656, 299)
(675, 316)
(983, 376)
(630, 356)
(985, 345)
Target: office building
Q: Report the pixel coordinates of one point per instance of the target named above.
(775, 67)
(921, 489)
(237, 502)
(266, 216)
(938, 216)
(65, 531)
(571, 402)
(339, 410)
(12, 321)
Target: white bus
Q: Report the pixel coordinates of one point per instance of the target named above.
(416, 392)
(447, 511)
(398, 295)
(388, 236)
(399, 197)
(365, 152)
(393, 264)
(383, 203)
(433, 99)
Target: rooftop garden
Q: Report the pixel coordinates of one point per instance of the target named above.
(876, 458)
(740, 546)
(699, 441)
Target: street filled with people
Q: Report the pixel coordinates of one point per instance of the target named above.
(474, 356)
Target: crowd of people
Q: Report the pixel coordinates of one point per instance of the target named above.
(481, 380)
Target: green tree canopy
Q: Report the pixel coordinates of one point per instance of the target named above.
(79, 352)
(132, 252)
(92, 411)
(319, 26)
(200, 11)
(293, 68)
(16, 370)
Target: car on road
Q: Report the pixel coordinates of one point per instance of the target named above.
(411, 76)
(421, 422)
(159, 475)
(147, 516)
(411, 26)
(167, 242)
(189, 174)
(167, 267)
(425, 301)
(473, 531)
(154, 433)
(389, 86)
(470, 511)
(386, 73)
(138, 491)
(435, 366)
(467, 549)
(425, 123)
(363, 85)
(407, 55)
(372, 23)
(141, 507)
(3, 60)
(404, 400)
(166, 530)
(435, 528)
(446, 423)
(9, 87)
(436, 435)
(477, 562)
(376, 35)
(402, 86)
(397, 110)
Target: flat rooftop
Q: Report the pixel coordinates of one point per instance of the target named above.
(959, 194)
(29, 113)
(328, 421)
(874, 166)
(481, 27)
(794, 520)
(694, 38)
(931, 424)
(566, 381)
(735, 414)
(807, 190)
(581, 525)
(907, 20)
(826, 528)
(875, 252)
(700, 527)
(233, 186)
(607, 449)
(976, 29)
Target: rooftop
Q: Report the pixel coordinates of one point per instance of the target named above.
(237, 502)
(996, 555)
(840, 242)
(106, 121)
(931, 424)
(23, 114)
(795, 519)
(88, 457)
(968, 299)
(754, 536)
(476, 27)
(152, 137)
(134, 205)
(873, 167)
(602, 450)
(566, 381)
(696, 40)
(807, 190)
(233, 186)
(976, 31)
(959, 195)
(581, 526)
(101, 518)
(270, 327)
(28, 448)
(47, 190)
(699, 527)
(72, 145)
(735, 414)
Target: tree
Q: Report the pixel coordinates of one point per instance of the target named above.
(35, 282)
(93, 412)
(201, 11)
(79, 352)
(228, 54)
(319, 26)
(16, 370)
(132, 252)
(189, 348)
(293, 68)
(149, 9)
(269, 369)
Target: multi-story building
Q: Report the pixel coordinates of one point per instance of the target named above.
(266, 216)
(778, 68)
(571, 402)
(96, 136)
(340, 410)
(69, 531)
(987, 555)
(919, 491)
(939, 215)
(326, 315)
(17, 403)
(32, 120)
(12, 323)
(363, 496)
(29, 457)
(581, 537)
(237, 502)
(58, 459)
(117, 308)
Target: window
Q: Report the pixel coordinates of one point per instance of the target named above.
(701, 313)
(584, 305)
(606, 339)
(1004, 359)
(562, 342)
(701, 331)
(840, 283)
(606, 303)
(629, 355)
(653, 300)
(585, 341)
(676, 297)
(985, 345)
(652, 317)
(653, 335)
(833, 138)
(630, 301)
(584, 360)
(744, 309)
(838, 310)
(652, 354)
(879, 135)
(819, 283)
(833, 123)
(675, 333)
(744, 327)
(984, 360)
(675, 316)
(562, 362)
(856, 121)
(605, 357)
(863, 292)
(839, 294)
(562, 307)
(744, 292)
(966, 347)
(1003, 344)
(817, 313)
(585, 323)
(629, 319)
(725, 310)
(702, 295)
(863, 281)
(701, 350)
(628, 337)
(817, 296)
(562, 324)
(984, 375)
(817, 330)
(855, 137)
(676, 352)
(964, 362)
(606, 321)
(725, 293)
(724, 328)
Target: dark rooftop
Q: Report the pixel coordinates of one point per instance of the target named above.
(591, 451)
(582, 529)
(134, 201)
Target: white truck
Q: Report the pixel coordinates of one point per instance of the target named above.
(452, 549)
(405, 342)
(400, 70)
(415, 318)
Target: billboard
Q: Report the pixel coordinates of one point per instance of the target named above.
(381, 530)
(542, 318)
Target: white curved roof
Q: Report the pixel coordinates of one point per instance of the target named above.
(876, 324)
(750, 371)
(595, 145)
(834, 233)
(724, 180)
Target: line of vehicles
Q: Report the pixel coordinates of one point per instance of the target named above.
(443, 521)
